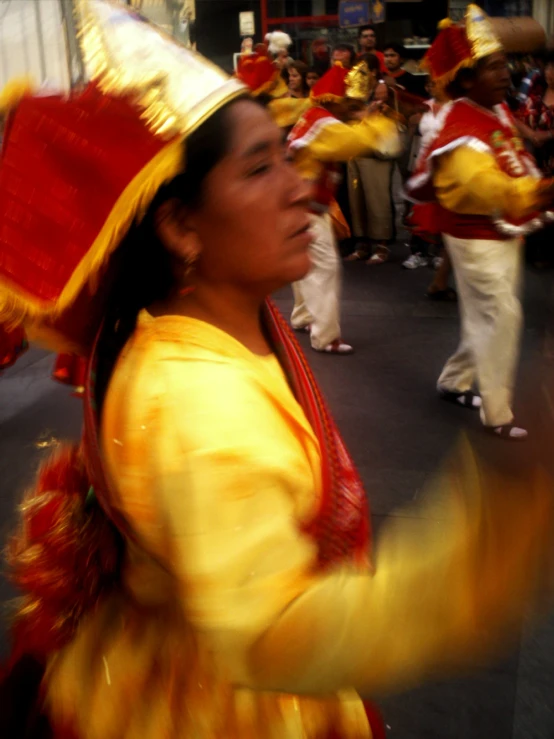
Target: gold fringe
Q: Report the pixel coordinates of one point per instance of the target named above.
(326, 97)
(444, 80)
(18, 307)
(280, 89)
(445, 23)
(14, 91)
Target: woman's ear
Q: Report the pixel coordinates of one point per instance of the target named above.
(174, 226)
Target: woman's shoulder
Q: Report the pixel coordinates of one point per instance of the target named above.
(178, 358)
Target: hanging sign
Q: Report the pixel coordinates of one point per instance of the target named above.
(352, 14)
(378, 11)
(246, 23)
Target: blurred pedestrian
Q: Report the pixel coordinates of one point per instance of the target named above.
(538, 113)
(319, 142)
(370, 186)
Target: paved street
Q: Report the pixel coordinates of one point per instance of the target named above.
(384, 401)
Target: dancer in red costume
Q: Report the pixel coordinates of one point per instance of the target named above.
(490, 194)
(201, 564)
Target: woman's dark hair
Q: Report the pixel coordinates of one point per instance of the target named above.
(548, 57)
(142, 270)
(372, 62)
(456, 88)
(397, 47)
(367, 27)
(347, 48)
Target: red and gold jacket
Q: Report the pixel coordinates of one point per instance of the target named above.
(463, 124)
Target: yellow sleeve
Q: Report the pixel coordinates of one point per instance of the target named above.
(229, 479)
(288, 111)
(470, 182)
(339, 142)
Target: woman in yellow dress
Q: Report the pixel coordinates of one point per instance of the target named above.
(199, 567)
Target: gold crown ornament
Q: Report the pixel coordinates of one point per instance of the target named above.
(357, 82)
(176, 88)
(480, 33)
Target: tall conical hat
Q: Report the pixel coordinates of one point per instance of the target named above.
(458, 46)
(76, 172)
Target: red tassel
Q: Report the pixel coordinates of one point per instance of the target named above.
(64, 557)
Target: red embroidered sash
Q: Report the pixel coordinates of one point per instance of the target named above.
(341, 526)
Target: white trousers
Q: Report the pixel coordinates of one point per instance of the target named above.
(488, 277)
(317, 296)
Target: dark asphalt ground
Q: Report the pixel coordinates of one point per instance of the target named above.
(383, 398)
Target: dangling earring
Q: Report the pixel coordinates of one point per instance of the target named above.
(190, 261)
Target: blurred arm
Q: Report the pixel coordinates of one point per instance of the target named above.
(288, 111)
(339, 142)
(440, 595)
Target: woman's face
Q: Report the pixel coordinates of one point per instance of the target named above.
(311, 79)
(295, 80)
(549, 75)
(252, 224)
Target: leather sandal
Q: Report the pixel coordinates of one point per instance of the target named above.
(508, 431)
(467, 399)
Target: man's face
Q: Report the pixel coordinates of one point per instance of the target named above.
(367, 40)
(393, 61)
(492, 81)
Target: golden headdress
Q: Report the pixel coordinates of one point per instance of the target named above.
(458, 46)
(357, 82)
(76, 172)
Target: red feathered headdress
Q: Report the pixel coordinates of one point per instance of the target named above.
(260, 74)
(331, 87)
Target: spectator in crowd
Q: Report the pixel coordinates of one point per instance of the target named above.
(320, 55)
(534, 82)
(345, 54)
(278, 44)
(370, 187)
(395, 56)
(312, 77)
(538, 114)
(297, 83)
(367, 44)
